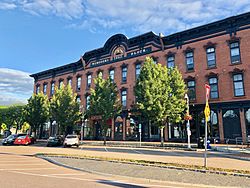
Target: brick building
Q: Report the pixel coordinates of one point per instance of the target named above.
(216, 53)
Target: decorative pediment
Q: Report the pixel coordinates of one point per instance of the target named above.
(237, 70)
(189, 78)
(211, 74)
(114, 40)
(118, 52)
(170, 53)
(209, 45)
(233, 39)
(188, 49)
(138, 62)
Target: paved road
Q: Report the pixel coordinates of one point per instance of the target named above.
(215, 159)
(25, 171)
(157, 152)
(160, 152)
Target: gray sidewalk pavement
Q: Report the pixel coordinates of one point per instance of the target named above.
(228, 148)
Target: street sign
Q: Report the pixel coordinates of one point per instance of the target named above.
(207, 112)
(207, 91)
(139, 128)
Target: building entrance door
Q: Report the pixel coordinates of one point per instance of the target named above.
(231, 123)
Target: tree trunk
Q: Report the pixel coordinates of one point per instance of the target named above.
(16, 128)
(162, 138)
(104, 136)
(104, 140)
(41, 131)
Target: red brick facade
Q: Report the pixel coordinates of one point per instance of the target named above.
(119, 52)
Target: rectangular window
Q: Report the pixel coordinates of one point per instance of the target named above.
(190, 61)
(170, 61)
(70, 82)
(87, 101)
(137, 70)
(124, 74)
(52, 88)
(124, 98)
(211, 61)
(37, 89)
(60, 84)
(238, 85)
(112, 74)
(45, 89)
(88, 80)
(213, 82)
(235, 52)
(191, 89)
(78, 85)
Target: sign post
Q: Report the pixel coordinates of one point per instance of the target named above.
(140, 133)
(207, 114)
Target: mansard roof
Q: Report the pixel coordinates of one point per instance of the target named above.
(226, 26)
(120, 39)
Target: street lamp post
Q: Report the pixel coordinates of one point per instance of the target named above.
(188, 123)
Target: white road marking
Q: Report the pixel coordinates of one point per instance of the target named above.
(4, 162)
(30, 164)
(67, 174)
(174, 184)
(8, 169)
(106, 149)
(92, 180)
(137, 151)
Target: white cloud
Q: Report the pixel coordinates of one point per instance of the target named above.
(15, 86)
(7, 6)
(139, 16)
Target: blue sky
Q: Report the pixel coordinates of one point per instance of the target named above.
(37, 35)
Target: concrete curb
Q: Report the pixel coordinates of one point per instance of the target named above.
(133, 163)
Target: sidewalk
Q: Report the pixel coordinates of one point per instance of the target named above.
(136, 144)
(228, 148)
(241, 149)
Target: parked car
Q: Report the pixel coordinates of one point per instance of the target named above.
(11, 139)
(71, 140)
(24, 140)
(55, 141)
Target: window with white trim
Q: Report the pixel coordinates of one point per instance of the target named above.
(190, 60)
(238, 85)
(213, 83)
(211, 60)
(235, 52)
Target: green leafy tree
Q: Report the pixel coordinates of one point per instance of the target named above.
(157, 93)
(37, 111)
(65, 109)
(18, 115)
(178, 91)
(12, 116)
(104, 103)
